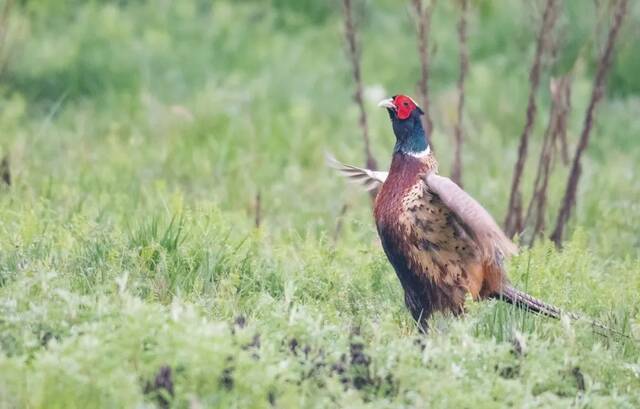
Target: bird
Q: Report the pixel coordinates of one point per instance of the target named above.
(442, 244)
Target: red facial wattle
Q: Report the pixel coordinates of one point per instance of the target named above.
(404, 106)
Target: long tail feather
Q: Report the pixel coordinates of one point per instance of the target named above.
(527, 302)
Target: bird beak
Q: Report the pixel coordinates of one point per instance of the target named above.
(387, 103)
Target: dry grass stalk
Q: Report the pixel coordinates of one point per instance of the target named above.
(354, 57)
(5, 170)
(339, 223)
(423, 18)
(456, 170)
(5, 13)
(513, 222)
(564, 148)
(604, 64)
(556, 131)
(258, 209)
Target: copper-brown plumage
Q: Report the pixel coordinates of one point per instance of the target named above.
(442, 243)
(438, 256)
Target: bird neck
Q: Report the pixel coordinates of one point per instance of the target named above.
(411, 139)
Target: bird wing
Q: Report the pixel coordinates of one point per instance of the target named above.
(367, 178)
(479, 223)
(486, 232)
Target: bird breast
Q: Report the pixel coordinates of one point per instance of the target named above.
(422, 236)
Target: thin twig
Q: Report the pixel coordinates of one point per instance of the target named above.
(4, 29)
(564, 148)
(556, 130)
(354, 58)
(257, 207)
(339, 222)
(513, 221)
(5, 170)
(456, 170)
(423, 17)
(604, 64)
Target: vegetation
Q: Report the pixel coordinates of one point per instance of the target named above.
(138, 135)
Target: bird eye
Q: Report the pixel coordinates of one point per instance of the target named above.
(406, 104)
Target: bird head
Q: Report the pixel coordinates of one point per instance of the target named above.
(401, 107)
(407, 125)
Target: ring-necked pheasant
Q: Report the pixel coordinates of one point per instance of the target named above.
(442, 243)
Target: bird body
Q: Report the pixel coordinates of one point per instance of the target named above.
(436, 260)
(442, 244)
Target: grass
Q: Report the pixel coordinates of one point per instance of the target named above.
(131, 272)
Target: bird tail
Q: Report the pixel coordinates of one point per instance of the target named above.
(527, 302)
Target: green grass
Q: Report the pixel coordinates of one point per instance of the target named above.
(139, 134)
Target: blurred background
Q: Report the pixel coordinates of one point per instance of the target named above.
(224, 99)
(164, 202)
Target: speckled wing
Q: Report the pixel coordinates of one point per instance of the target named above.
(369, 179)
(479, 223)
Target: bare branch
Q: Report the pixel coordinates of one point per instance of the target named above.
(257, 207)
(604, 64)
(339, 222)
(423, 18)
(456, 170)
(5, 170)
(564, 147)
(513, 221)
(354, 58)
(556, 130)
(5, 13)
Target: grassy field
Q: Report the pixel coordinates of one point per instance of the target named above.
(131, 270)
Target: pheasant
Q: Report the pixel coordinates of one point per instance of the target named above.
(442, 243)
